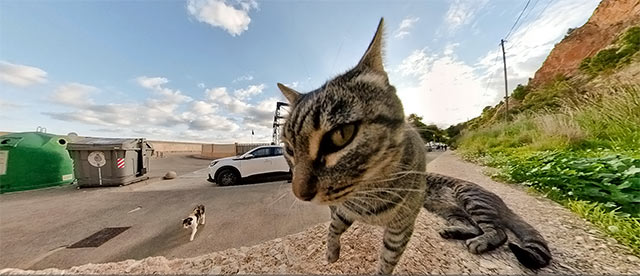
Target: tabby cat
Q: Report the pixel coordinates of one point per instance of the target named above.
(350, 148)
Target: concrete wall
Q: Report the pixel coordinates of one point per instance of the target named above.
(165, 146)
(226, 150)
(218, 150)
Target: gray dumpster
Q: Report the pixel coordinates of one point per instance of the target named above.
(109, 162)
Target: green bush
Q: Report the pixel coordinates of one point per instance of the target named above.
(520, 92)
(632, 36)
(607, 59)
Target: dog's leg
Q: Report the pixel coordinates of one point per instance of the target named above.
(203, 218)
(193, 231)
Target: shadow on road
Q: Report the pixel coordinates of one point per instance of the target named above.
(171, 237)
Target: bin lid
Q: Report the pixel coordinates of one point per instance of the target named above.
(29, 139)
(93, 143)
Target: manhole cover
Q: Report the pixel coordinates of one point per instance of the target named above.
(100, 237)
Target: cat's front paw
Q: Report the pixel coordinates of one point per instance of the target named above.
(486, 242)
(458, 233)
(333, 254)
(476, 245)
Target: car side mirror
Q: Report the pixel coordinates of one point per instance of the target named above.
(249, 156)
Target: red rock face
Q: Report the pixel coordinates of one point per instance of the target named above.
(608, 20)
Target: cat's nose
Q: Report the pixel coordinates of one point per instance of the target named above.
(304, 190)
(304, 183)
(307, 195)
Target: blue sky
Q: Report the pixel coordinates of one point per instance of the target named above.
(206, 70)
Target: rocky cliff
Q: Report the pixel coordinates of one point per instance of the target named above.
(607, 22)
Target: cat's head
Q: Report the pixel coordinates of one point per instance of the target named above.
(342, 135)
(186, 223)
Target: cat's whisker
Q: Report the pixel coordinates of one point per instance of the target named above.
(278, 199)
(293, 203)
(359, 206)
(393, 193)
(392, 189)
(400, 204)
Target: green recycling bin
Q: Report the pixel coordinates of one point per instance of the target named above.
(32, 160)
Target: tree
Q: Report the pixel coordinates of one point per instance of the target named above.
(427, 132)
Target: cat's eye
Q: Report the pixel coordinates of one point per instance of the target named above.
(339, 137)
(342, 135)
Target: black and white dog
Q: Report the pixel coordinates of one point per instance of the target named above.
(196, 217)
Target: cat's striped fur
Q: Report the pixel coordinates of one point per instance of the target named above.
(481, 218)
(350, 148)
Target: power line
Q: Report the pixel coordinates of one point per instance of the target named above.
(495, 61)
(524, 18)
(529, 26)
(514, 24)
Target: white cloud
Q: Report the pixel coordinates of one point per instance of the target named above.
(73, 94)
(151, 82)
(243, 78)
(220, 117)
(447, 91)
(462, 12)
(405, 26)
(415, 63)
(171, 97)
(21, 75)
(222, 14)
(213, 122)
(201, 85)
(449, 48)
(203, 108)
(262, 113)
(220, 96)
(292, 85)
(248, 92)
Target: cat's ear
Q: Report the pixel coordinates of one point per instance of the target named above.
(372, 58)
(291, 95)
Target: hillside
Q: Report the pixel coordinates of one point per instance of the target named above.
(572, 133)
(607, 22)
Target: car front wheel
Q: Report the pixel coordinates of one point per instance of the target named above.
(227, 177)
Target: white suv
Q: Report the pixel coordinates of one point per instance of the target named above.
(261, 163)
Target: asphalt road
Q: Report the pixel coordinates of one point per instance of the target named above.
(36, 227)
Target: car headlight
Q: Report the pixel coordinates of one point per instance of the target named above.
(213, 163)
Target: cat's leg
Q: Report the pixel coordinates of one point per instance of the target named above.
(394, 242)
(460, 226)
(194, 229)
(493, 234)
(203, 218)
(339, 224)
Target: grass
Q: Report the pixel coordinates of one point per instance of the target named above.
(584, 154)
(624, 229)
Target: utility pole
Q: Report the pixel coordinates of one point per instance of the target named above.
(506, 89)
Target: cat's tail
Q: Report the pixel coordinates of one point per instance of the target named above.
(532, 250)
